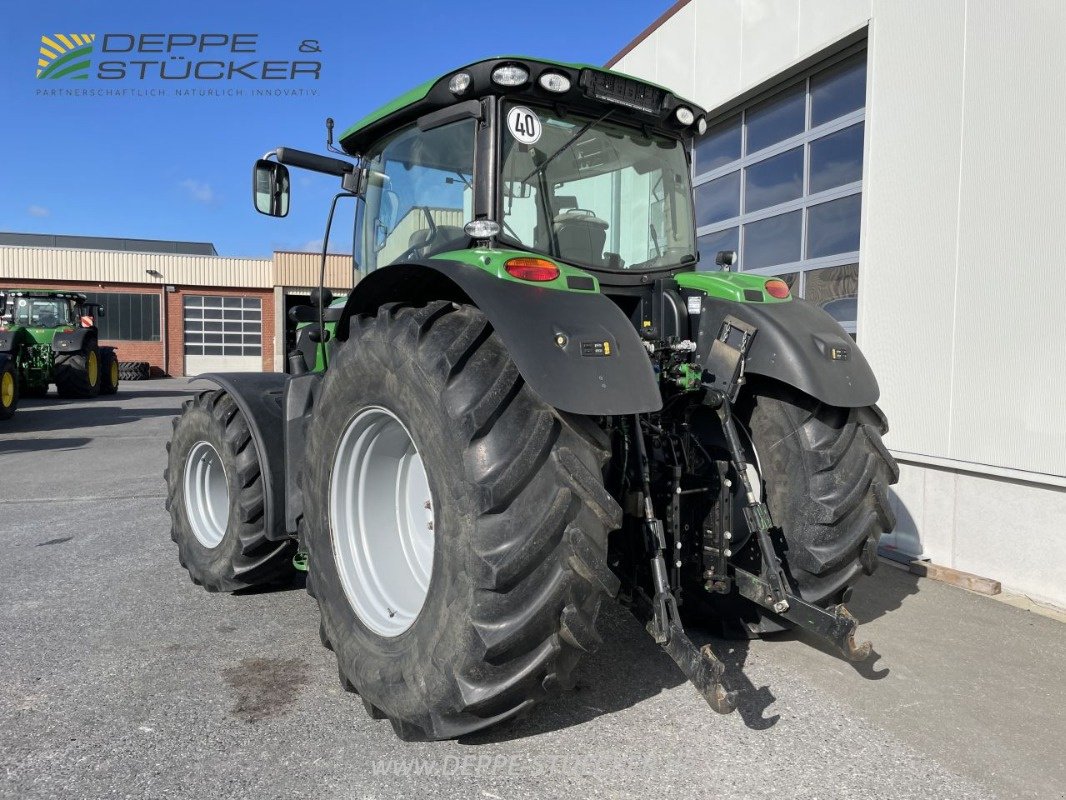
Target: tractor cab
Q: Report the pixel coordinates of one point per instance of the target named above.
(46, 310)
(585, 169)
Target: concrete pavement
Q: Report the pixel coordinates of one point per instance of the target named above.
(122, 679)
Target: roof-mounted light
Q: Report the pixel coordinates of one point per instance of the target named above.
(701, 126)
(459, 83)
(555, 82)
(482, 229)
(684, 115)
(510, 75)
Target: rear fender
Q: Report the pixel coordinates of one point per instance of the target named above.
(576, 350)
(799, 344)
(73, 342)
(259, 396)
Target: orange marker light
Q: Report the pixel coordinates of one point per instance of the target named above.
(531, 269)
(777, 288)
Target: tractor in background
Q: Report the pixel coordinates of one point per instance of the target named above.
(52, 337)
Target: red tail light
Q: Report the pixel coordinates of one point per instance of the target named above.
(777, 288)
(532, 269)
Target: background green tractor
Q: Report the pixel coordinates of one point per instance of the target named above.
(52, 338)
(534, 400)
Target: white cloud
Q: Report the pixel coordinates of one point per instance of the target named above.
(38, 211)
(313, 246)
(199, 191)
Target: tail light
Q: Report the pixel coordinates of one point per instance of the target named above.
(777, 288)
(532, 269)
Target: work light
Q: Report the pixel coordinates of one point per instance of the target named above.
(459, 83)
(510, 75)
(555, 82)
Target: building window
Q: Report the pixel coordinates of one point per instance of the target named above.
(128, 316)
(780, 182)
(223, 326)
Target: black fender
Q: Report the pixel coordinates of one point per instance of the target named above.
(73, 342)
(577, 350)
(259, 396)
(7, 341)
(799, 344)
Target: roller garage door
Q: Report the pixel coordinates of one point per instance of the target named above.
(223, 334)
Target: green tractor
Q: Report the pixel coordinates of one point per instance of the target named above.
(535, 399)
(52, 337)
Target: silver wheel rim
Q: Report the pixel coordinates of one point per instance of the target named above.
(381, 521)
(206, 494)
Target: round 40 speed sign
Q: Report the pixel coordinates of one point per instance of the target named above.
(524, 124)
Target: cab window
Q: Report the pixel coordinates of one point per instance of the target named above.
(419, 195)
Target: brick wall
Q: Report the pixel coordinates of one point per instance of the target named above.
(171, 326)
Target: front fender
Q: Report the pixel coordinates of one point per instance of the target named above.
(259, 397)
(576, 350)
(799, 344)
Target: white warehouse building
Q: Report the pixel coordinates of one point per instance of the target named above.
(901, 163)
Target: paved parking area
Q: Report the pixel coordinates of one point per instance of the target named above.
(119, 678)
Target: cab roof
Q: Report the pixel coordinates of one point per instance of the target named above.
(636, 100)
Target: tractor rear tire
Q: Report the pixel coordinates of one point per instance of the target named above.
(9, 388)
(78, 374)
(215, 498)
(517, 509)
(825, 476)
(109, 372)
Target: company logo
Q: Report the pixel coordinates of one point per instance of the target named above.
(65, 55)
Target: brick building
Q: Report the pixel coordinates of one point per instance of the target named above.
(177, 305)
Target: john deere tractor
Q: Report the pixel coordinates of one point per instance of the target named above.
(537, 398)
(51, 337)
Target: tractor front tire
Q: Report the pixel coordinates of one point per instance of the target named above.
(78, 374)
(514, 566)
(109, 373)
(215, 498)
(9, 388)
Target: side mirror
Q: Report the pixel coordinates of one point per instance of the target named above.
(321, 297)
(270, 188)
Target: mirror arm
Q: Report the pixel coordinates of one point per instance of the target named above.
(355, 182)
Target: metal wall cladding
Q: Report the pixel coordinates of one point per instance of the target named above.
(300, 270)
(112, 266)
(293, 269)
(963, 183)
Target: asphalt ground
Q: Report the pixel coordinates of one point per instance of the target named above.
(120, 678)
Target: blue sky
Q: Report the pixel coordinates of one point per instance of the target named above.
(179, 167)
